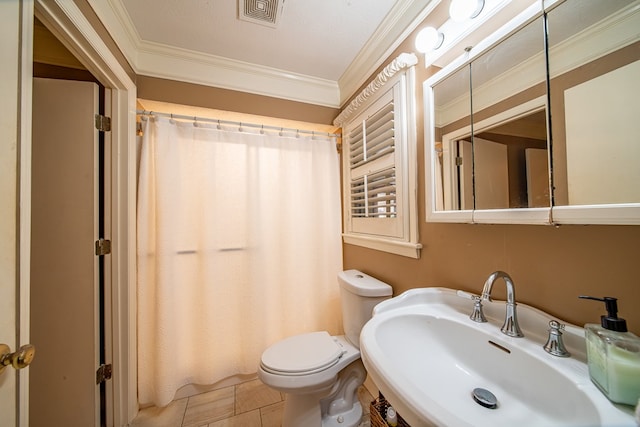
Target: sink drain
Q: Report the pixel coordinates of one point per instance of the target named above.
(485, 398)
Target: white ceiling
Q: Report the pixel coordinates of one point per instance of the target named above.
(314, 38)
(320, 52)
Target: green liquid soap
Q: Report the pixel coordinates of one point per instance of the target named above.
(613, 356)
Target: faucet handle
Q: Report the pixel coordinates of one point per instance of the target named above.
(555, 345)
(477, 315)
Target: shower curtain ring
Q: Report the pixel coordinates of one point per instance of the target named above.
(262, 130)
(219, 126)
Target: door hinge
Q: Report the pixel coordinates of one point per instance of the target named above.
(458, 161)
(103, 123)
(103, 247)
(104, 373)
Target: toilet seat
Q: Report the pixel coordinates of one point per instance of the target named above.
(302, 354)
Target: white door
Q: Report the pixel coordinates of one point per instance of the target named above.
(465, 171)
(491, 174)
(537, 162)
(10, 51)
(64, 267)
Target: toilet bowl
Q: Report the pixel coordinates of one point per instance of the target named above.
(320, 373)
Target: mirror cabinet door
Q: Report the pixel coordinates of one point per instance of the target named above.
(594, 70)
(451, 146)
(509, 123)
(543, 126)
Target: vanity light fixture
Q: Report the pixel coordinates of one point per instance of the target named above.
(474, 14)
(429, 39)
(461, 10)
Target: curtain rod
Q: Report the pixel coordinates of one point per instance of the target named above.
(239, 124)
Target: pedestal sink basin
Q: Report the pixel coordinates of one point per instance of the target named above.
(439, 368)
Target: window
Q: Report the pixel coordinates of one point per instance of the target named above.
(379, 166)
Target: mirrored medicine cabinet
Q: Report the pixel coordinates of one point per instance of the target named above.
(543, 125)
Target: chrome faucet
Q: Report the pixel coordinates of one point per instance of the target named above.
(510, 326)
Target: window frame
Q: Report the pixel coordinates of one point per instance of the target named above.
(399, 234)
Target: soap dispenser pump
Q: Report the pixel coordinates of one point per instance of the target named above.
(613, 355)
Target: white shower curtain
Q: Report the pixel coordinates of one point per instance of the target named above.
(238, 246)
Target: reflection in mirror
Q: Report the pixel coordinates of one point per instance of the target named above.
(594, 66)
(517, 150)
(453, 161)
(509, 123)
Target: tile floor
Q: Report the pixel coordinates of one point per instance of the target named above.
(249, 404)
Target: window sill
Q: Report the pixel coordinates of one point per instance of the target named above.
(407, 249)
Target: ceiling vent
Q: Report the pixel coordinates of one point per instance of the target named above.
(263, 12)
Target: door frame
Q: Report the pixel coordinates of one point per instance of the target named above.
(76, 32)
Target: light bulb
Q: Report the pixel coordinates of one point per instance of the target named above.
(461, 10)
(428, 39)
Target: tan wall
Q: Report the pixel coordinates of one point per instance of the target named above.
(51, 59)
(175, 92)
(550, 265)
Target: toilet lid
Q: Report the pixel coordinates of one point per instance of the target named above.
(302, 354)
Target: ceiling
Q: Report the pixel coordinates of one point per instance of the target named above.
(319, 52)
(313, 38)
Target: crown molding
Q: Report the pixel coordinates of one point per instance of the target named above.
(404, 60)
(162, 61)
(403, 19)
(157, 60)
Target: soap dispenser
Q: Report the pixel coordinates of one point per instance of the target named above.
(613, 355)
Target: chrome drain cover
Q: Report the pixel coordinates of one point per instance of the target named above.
(485, 398)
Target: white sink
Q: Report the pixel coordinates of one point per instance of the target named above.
(426, 356)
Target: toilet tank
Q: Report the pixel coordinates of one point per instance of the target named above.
(359, 293)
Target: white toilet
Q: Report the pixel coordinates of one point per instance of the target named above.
(320, 374)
